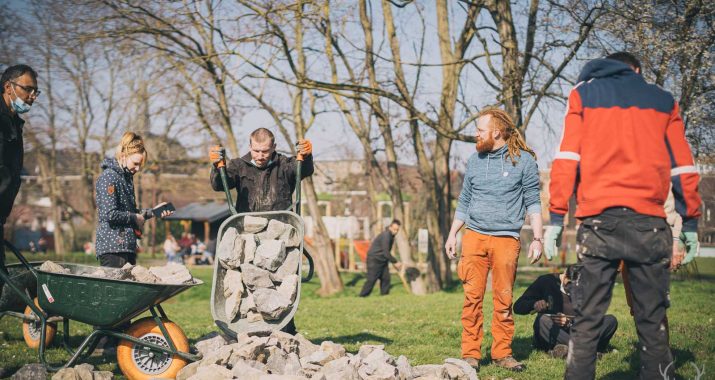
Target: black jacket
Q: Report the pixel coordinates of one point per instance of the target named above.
(380, 248)
(262, 189)
(11, 159)
(117, 209)
(547, 288)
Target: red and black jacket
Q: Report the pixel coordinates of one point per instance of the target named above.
(623, 143)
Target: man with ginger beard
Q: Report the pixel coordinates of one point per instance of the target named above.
(501, 186)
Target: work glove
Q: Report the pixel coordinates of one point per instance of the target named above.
(692, 246)
(552, 240)
(305, 148)
(217, 155)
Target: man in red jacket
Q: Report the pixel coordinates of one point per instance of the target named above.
(623, 144)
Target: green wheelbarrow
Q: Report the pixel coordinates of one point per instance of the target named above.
(151, 347)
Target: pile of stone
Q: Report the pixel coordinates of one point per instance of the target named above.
(82, 372)
(171, 273)
(284, 356)
(258, 269)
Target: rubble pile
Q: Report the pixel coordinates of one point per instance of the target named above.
(284, 356)
(171, 273)
(258, 270)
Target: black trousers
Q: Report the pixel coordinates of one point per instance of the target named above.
(644, 243)
(376, 270)
(117, 260)
(547, 334)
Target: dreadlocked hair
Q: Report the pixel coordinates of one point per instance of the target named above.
(501, 121)
(129, 144)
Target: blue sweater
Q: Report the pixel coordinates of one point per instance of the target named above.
(496, 194)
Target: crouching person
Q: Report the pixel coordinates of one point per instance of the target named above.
(549, 297)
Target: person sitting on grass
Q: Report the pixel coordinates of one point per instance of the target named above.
(548, 296)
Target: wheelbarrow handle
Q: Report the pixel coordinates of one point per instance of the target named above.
(311, 266)
(224, 182)
(5, 277)
(298, 179)
(20, 257)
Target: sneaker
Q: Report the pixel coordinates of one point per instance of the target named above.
(473, 362)
(560, 351)
(510, 363)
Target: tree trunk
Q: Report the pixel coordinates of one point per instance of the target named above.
(323, 255)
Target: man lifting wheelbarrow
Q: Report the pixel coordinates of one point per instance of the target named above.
(264, 179)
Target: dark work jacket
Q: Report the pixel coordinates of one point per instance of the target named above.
(262, 189)
(117, 209)
(547, 288)
(380, 248)
(11, 158)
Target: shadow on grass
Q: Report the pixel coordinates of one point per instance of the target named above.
(354, 338)
(356, 278)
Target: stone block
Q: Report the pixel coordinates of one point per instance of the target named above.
(172, 273)
(271, 304)
(288, 267)
(141, 274)
(254, 224)
(289, 287)
(255, 277)
(270, 254)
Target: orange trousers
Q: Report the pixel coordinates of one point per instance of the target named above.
(480, 253)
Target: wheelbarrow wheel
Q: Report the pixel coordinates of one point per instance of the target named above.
(31, 330)
(137, 363)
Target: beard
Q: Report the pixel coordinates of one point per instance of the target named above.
(484, 146)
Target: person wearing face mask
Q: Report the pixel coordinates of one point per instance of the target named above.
(501, 187)
(548, 296)
(19, 90)
(120, 222)
(264, 179)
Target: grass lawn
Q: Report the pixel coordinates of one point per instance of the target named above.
(427, 329)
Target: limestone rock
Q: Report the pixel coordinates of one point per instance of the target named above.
(212, 372)
(274, 230)
(142, 274)
(270, 254)
(172, 273)
(367, 349)
(289, 287)
(254, 224)
(290, 237)
(49, 266)
(456, 369)
(427, 370)
(336, 351)
(218, 357)
(248, 305)
(289, 266)
(243, 370)
(249, 247)
(255, 277)
(318, 357)
(271, 304)
(404, 369)
(305, 347)
(188, 371)
(210, 342)
(232, 282)
(231, 250)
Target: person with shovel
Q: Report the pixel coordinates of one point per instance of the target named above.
(378, 257)
(264, 179)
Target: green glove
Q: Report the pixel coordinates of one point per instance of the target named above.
(692, 246)
(552, 240)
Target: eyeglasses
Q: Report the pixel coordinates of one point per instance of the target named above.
(33, 91)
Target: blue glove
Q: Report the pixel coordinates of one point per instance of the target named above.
(552, 240)
(692, 246)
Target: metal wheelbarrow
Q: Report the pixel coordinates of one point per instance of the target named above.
(151, 347)
(233, 327)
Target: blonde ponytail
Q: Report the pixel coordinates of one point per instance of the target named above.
(501, 121)
(130, 143)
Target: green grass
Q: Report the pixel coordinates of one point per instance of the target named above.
(427, 329)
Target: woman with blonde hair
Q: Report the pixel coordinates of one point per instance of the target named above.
(120, 222)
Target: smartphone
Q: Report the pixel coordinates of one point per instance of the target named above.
(161, 207)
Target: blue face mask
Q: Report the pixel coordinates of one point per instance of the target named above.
(18, 104)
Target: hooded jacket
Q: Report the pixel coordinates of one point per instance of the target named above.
(117, 209)
(496, 194)
(269, 188)
(623, 144)
(11, 159)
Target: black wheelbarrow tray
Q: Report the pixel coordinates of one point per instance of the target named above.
(152, 347)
